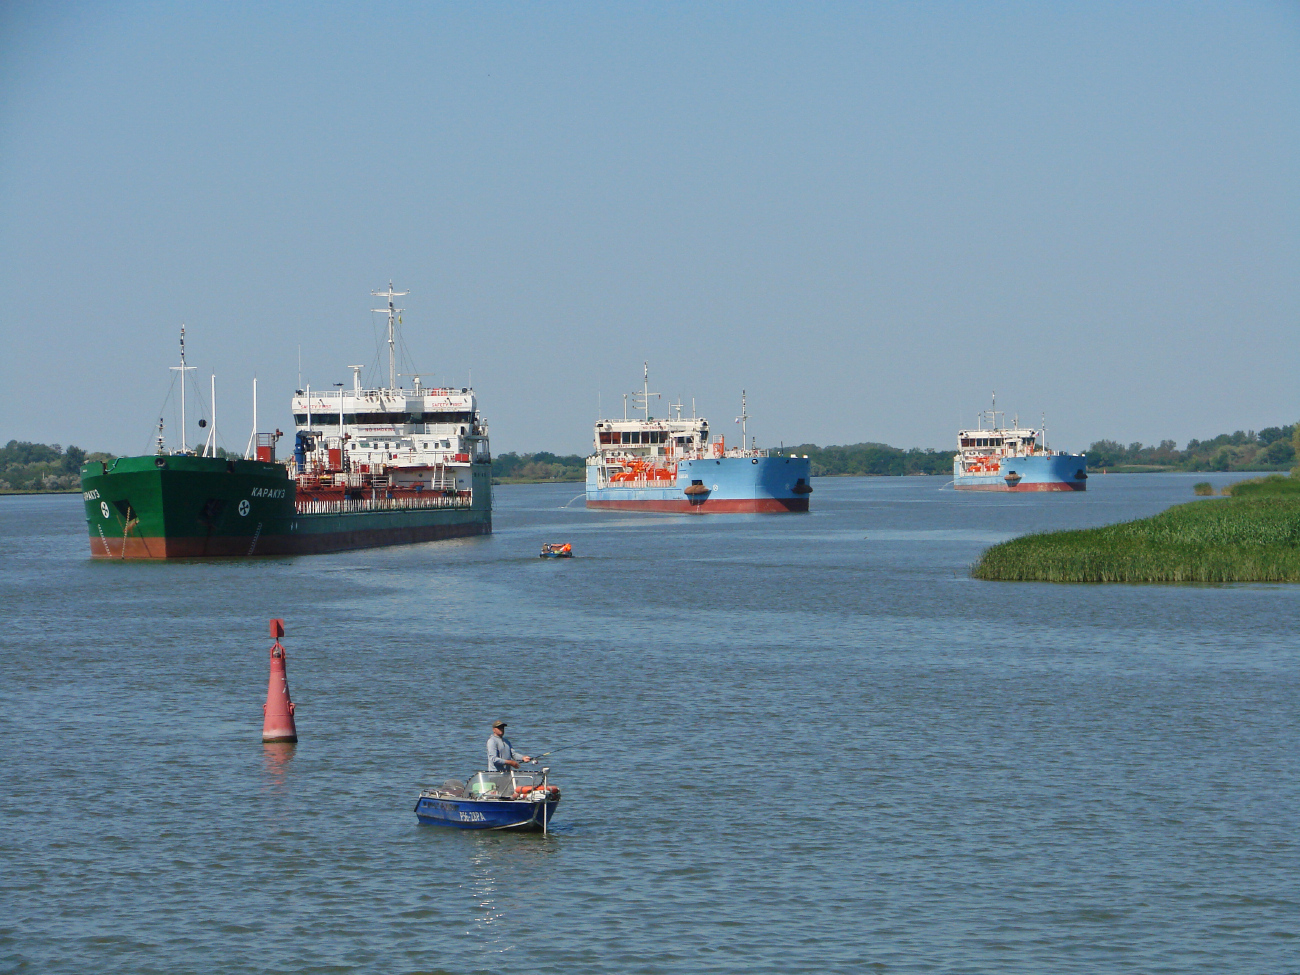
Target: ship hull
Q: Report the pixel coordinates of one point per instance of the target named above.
(1056, 472)
(171, 507)
(731, 485)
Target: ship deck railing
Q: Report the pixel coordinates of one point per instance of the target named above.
(311, 506)
(612, 458)
(639, 482)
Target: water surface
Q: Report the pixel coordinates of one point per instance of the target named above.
(788, 743)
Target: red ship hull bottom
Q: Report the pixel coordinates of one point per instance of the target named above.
(721, 506)
(1037, 486)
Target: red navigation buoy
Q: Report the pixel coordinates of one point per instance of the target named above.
(277, 723)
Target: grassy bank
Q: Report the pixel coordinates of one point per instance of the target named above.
(1252, 536)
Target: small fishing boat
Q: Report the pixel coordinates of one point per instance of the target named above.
(557, 550)
(516, 800)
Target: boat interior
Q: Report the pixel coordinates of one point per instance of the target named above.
(494, 785)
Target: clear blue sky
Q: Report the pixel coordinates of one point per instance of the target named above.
(869, 215)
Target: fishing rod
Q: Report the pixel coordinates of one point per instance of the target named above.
(537, 758)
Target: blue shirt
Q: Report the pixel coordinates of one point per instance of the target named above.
(499, 750)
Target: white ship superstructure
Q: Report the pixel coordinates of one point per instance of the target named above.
(411, 436)
(422, 438)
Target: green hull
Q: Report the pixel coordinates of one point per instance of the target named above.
(165, 507)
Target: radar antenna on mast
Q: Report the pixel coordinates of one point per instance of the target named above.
(743, 420)
(393, 318)
(644, 395)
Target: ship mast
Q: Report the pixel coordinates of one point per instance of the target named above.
(645, 394)
(742, 420)
(393, 319)
(210, 446)
(183, 369)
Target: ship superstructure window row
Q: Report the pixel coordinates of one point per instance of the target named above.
(1008, 442)
(634, 436)
(324, 418)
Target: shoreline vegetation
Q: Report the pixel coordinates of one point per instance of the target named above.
(37, 468)
(1272, 449)
(33, 468)
(1251, 535)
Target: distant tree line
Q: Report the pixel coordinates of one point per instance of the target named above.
(1272, 449)
(533, 468)
(873, 460)
(28, 467)
(33, 467)
(868, 458)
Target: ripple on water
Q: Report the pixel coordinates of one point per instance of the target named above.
(803, 744)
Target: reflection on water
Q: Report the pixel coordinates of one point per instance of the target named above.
(276, 757)
(503, 862)
(484, 886)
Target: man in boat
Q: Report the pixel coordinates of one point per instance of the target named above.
(501, 755)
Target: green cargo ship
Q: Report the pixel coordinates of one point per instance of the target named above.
(174, 506)
(370, 467)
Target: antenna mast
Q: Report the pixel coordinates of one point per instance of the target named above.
(183, 369)
(393, 314)
(248, 451)
(210, 447)
(742, 420)
(645, 393)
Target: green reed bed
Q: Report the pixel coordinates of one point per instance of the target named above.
(1273, 486)
(1245, 538)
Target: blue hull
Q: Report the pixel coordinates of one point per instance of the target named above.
(1057, 472)
(731, 484)
(485, 814)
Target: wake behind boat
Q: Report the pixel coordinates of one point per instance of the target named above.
(523, 801)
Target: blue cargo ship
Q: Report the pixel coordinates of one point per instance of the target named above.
(1001, 458)
(650, 464)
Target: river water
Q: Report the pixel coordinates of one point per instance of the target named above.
(799, 743)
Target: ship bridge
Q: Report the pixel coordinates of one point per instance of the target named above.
(377, 429)
(651, 438)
